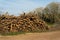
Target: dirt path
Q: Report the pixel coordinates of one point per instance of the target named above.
(34, 36)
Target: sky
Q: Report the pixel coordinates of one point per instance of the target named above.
(17, 6)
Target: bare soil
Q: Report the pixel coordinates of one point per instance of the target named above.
(34, 36)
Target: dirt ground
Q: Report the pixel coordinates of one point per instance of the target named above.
(34, 36)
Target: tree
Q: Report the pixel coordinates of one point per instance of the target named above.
(51, 12)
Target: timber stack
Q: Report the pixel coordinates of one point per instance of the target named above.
(25, 23)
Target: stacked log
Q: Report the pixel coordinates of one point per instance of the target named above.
(25, 23)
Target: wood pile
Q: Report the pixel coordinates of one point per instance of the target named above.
(24, 22)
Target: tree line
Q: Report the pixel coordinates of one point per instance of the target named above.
(51, 13)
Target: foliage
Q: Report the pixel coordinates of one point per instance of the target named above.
(50, 13)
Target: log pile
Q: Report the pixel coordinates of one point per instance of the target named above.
(24, 22)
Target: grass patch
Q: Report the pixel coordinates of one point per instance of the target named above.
(12, 33)
(50, 24)
(17, 33)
